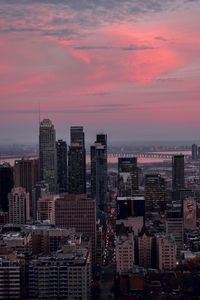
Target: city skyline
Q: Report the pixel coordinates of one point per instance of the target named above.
(100, 64)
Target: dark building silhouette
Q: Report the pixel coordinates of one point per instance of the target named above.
(154, 192)
(178, 177)
(99, 168)
(61, 148)
(194, 152)
(47, 154)
(6, 185)
(26, 175)
(127, 176)
(77, 161)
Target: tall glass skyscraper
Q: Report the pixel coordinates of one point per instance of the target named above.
(178, 177)
(77, 161)
(47, 154)
(99, 170)
(61, 147)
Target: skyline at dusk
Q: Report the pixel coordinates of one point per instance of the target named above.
(128, 68)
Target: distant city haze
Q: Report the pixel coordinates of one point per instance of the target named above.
(128, 68)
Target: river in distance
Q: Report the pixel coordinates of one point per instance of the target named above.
(114, 159)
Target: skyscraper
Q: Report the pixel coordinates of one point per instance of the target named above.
(154, 192)
(99, 170)
(77, 161)
(61, 148)
(47, 153)
(26, 176)
(6, 185)
(178, 178)
(127, 176)
(26, 173)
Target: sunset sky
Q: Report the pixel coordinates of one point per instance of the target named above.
(130, 68)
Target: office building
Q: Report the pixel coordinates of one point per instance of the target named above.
(46, 208)
(124, 252)
(64, 275)
(19, 206)
(154, 193)
(6, 185)
(77, 161)
(178, 178)
(61, 147)
(99, 180)
(47, 154)
(166, 252)
(175, 227)
(79, 212)
(127, 176)
(26, 175)
(40, 190)
(10, 285)
(194, 152)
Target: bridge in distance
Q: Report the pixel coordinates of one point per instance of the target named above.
(144, 155)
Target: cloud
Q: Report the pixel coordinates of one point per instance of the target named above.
(93, 47)
(137, 48)
(63, 17)
(161, 38)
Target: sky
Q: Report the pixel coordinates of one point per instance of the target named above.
(129, 68)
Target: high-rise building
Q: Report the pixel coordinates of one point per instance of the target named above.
(26, 175)
(61, 147)
(19, 207)
(77, 161)
(178, 178)
(47, 153)
(99, 167)
(10, 287)
(175, 227)
(194, 152)
(154, 192)
(79, 212)
(63, 275)
(77, 135)
(127, 176)
(6, 185)
(46, 208)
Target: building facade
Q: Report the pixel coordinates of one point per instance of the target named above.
(77, 161)
(178, 177)
(127, 176)
(47, 154)
(61, 147)
(99, 180)
(19, 206)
